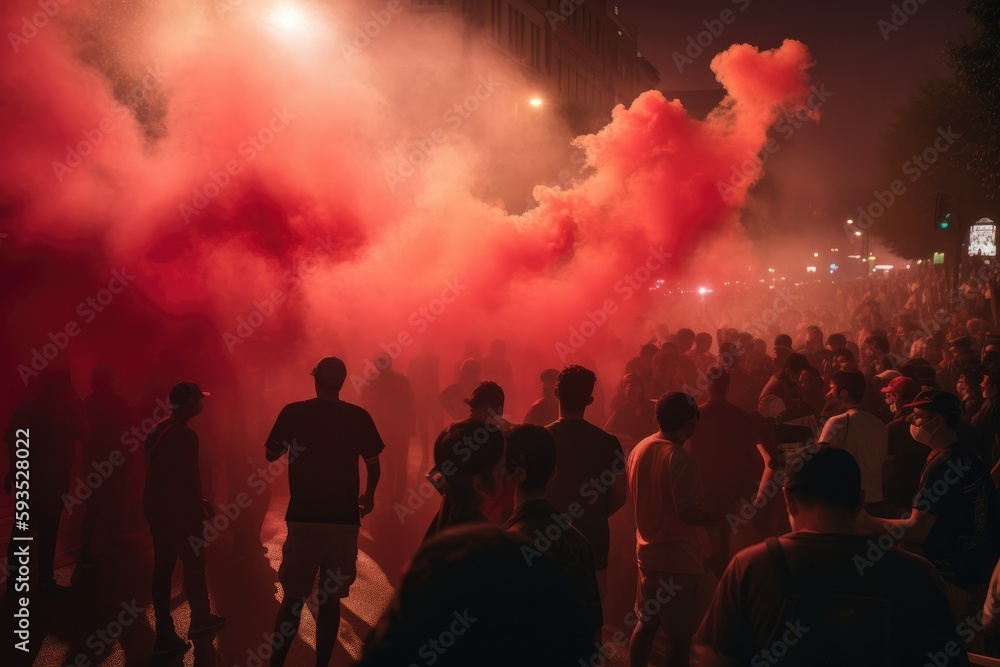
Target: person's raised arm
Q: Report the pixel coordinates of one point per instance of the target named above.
(913, 528)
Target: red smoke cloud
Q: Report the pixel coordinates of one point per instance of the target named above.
(279, 198)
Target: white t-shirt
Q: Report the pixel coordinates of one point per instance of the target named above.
(864, 436)
(664, 480)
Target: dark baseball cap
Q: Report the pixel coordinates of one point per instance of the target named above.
(486, 393)
(185, 392)
(331, 370)
(937, 401)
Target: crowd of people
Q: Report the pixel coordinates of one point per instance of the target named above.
(819, 486)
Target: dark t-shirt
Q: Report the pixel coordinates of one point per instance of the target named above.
(725, 447)
(172, 493)
(324, 440)
(956, 488)
(588, 461)
(854, 603)
(909, 459)
(539, 521)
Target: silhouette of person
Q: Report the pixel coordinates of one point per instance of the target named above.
(486, 403)
(545, 410)
(452, 398)
(494, 607)
(174, 506)
(469, 473)
(591, 465)
(324, 437)
(634, 419)
(423, 372)
(389, 400)
(49, 425)
(531, 461)
(110, 416)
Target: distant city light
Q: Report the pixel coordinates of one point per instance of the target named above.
(703, 291)
(810, 269)
(884, 267)
(535, 101)
(857, 233)
(850, 222)
(815, 254)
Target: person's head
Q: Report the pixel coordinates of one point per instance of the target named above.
(647, 352)
(900, 391)
(876, 347)
(476, 580)
(936, 415)
(782, 348)
(991, 381)
(633, 388)
(823, 489)
(843, 360)
(468, 372)
(811, 380)
(470, 457)
(548, 379)
(670, 349)
(575, 389)
(990, 354)
(186, 400)
(685, 339)
(531, 458)
(329, 376)
(969, 384)
(677, 416)
(846, 387)
(836, 341)
(102, 379)
(486, 401)
(718, 382)
(783, 340)
(703, 342)
(961, 346)
(814, 337)
(794, 364)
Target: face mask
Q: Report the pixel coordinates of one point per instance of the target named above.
(925, 435)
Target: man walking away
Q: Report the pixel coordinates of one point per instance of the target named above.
(324, 437)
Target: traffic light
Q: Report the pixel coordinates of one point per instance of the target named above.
(942, 212)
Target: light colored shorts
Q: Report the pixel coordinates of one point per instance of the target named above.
(329, 550)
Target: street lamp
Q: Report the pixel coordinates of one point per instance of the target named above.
(535, 102)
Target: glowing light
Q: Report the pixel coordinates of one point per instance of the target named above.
(703, 291)
(857, 233)
(810, 269)
(815, 254)
(850, 222)
(288, 19)
(883, 267)
(535, 102)
(907, 266)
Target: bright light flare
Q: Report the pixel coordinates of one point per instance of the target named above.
(703, 291)
(535, 102)
(288, 19)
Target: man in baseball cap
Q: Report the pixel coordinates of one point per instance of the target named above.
(955, 516)
(174, 507)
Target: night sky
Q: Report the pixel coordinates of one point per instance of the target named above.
(833, 163)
